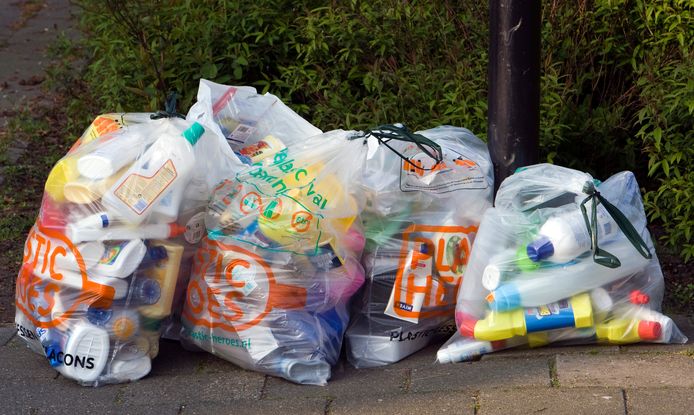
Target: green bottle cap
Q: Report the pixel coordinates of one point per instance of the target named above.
(193, 133)
(524, 262)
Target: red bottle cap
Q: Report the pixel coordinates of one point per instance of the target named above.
(639, 297)
(649, 330)
(176, 229)
(466, 324)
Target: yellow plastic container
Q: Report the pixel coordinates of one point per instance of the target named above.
(624, 331)
(576, 312)
(165, 272)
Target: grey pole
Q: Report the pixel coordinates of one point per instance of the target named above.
(514, 85)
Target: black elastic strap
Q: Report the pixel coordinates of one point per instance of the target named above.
(399, 132)
(600, 256)
(169, 108)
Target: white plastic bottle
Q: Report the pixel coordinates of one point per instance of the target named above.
(121, 258)
(166, 165)
(564, 237)
(112, 153)
(86, 352)
(151, 231)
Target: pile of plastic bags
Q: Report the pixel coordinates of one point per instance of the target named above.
(247, 232)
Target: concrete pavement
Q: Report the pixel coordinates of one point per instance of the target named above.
(637, 379)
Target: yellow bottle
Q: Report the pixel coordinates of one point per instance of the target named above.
(623, 331)
(64, 171)
(165, 272)
(574, 312)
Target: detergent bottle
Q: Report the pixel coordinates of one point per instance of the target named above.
(166, 165)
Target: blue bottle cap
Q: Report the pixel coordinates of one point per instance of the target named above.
(540, 249)
(53, 354)
(99, 316)
(146, 291)
(504, 298)
(157, 253)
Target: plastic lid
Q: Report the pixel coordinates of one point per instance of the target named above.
(466, 324)
(99, 316)
(650, 330)
(504, 298)
(540, 249)
(193, 133)
(129, 370)
(639, 297)
(148, 291)
(175, 229)
(491, 277)
(157, 253)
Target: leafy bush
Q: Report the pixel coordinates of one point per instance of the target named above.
(617, 86)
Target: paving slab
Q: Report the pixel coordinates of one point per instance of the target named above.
(552, 351)
(187, 389)
(6, 333)
(521, 401)
(345, 382)
(673, 401)
(475, 375)
(626, 370)
(265, 407)
(407, 404)
(17, 360)
(173, 359)
(25, 394)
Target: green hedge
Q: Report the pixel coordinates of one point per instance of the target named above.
(617, 85)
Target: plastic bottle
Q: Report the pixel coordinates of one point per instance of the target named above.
(122, 322)
(86, 191)
(121, 258)
(91, 253)
(564, 237)
(546, 285)
(86, 352)
(120, 233)
(646, 314)
(99, 220)
(166, 165)
(264, 148)
(506, 266)
(574, 312)
(543, 338)
(626, 330)
(130, 370)
(462, 349)
(113, 152)
(165, 273)
(64, 171)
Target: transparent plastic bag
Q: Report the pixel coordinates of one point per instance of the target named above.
(254, 125)
(562, 257)
(271, 282)
(420, 219)
(119, 219)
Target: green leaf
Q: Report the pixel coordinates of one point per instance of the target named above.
(208, 70)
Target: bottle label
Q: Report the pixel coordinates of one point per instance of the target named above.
(551, 316)
(111, 254)
(138, 191)
(195, 228)
(430, 271)
(420, 173)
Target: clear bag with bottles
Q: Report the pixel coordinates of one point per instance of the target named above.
(561, 257)
(424, 200)
(119, 220)
(272, 280)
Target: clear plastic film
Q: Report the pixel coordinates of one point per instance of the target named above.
(421, 219)
(562, 257)
(271, 283)
(119, 220)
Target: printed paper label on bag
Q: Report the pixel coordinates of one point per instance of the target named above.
(456, 171)
(430, 271)
(138, 191)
